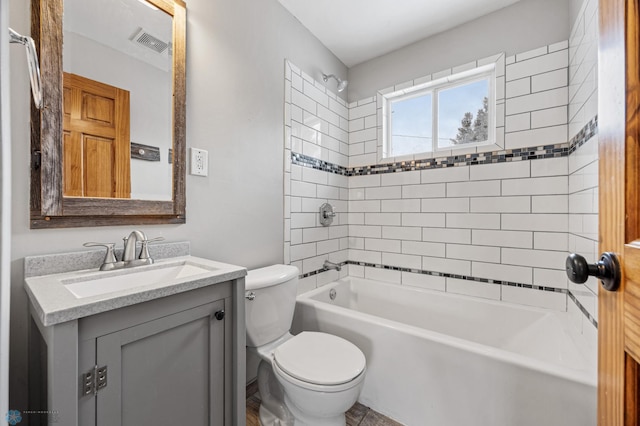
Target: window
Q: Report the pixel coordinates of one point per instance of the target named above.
(447, 113)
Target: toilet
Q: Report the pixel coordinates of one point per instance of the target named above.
(309, 379)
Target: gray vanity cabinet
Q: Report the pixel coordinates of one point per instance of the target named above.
(168, 371)
(168, 361)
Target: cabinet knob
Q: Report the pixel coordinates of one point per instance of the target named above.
(607, 270)
(219, 315)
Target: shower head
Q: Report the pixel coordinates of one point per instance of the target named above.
(342, 84)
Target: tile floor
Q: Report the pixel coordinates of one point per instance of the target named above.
(358, 415)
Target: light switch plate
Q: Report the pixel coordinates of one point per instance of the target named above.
(199, 162)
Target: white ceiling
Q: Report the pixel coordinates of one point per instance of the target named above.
(359, 30)
(113, 23)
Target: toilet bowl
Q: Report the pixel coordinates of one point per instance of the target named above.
(309, 379)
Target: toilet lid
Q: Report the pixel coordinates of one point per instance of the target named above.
(320, 358)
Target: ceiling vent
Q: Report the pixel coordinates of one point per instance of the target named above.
(143, 38)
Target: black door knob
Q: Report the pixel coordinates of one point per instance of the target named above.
(219, 315)
(607, 270)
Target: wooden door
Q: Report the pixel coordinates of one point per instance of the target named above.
(96, 145)
(619, 204)
(170, 371)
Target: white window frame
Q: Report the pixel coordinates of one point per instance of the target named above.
(486, 72)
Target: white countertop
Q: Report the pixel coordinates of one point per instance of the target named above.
(55, 304)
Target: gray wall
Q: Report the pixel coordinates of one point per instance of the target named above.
(5, 210)
(525, 25)
(235, 89)
(574, 8)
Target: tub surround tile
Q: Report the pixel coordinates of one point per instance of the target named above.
(503, 204)
(583, 158)
(549, 117)
(411, 233)
(446, 205)
(446, 266)
(430, 282)
(378, 244)
(473, 220)
(436, 220)
(307, 283)
(550, 204)
(517, 239)
(511, 276)
(541, 64)
(424, 248)
(531, 297)
(524, 152)
(473, 288)
(592, 320)
(505, 273)
(488, 210)
(474, 253)
(432, 190)
(448, 235)
(380, 274)
(505, 170)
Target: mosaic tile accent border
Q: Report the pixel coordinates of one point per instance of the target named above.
(584, 311)
(587, 132)
(467, 278)
(530, 153)
(314, 163)
(441, 274)
(519, 154)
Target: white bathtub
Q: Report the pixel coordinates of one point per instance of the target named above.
(440, 359)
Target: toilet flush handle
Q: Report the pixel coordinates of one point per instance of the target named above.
(250, 295)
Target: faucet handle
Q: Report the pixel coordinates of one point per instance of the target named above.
(109, 258)
(144, 253)
(153, 240)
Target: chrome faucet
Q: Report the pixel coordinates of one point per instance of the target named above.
(129, 255)
(330, 265)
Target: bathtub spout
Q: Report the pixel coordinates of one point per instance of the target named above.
(330, 265)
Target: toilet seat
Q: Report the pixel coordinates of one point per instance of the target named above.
(319, 359)
(283, 376)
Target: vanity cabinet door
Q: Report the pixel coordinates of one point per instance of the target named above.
(169, 371)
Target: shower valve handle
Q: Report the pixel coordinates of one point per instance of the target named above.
(607, 270)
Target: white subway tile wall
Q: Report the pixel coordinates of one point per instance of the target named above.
(366, 137)
(507, 222)
(583, 162)
(583, 67)
(317, 125)
(467, 225)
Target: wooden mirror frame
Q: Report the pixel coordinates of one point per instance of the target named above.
(49, 208)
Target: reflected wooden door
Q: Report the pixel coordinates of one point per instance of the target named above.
(619, 311)
(96, 145)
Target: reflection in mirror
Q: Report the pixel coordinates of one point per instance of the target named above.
(124, 202)
(117, 58)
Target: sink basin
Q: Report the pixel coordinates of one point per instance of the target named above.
(97, 283)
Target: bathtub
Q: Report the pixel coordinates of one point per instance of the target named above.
(441, 359)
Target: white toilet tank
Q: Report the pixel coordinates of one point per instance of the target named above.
(270, 313)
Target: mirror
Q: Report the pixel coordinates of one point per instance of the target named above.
(116, 57)
(108, 147)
